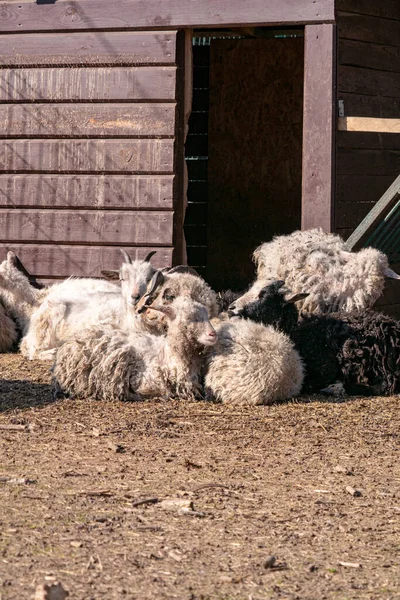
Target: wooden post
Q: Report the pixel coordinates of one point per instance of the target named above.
(319, 127)
(184, 107)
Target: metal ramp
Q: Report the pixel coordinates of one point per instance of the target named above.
(381, 227)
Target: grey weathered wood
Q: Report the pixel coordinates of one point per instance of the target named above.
(95, 227)
(318, 127)
(61, 156)
(87, 191)
(358, 80)
(82, 120)
(86, 48)
(368, 29)
(381, 208)
(48, 260)
(369, 56)
(66, 15)
(101, 84)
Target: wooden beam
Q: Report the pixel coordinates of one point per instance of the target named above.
(380, 210)
(63, 15)
(319, 126)
(369, 124)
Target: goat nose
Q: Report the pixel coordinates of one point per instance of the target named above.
(232, 306)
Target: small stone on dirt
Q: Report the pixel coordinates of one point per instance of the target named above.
(343, 469)
(269, 562)
(52, 591)
(177, 504)
(353, 491)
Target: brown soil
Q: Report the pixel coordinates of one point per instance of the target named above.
(263, 481)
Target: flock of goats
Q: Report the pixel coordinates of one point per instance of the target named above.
(304, 325)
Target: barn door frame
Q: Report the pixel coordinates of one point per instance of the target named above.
(319, 127)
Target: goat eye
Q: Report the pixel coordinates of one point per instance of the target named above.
(169, 298)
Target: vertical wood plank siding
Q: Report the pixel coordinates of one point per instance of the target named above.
(318, 126)
(87, 131)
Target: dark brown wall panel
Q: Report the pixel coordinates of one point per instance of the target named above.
(63, 260)
(60, 156)
(355, 161)
(384, 8)
(25, 15)
(86, 120)
(99, 84)
(87, 191)
(369, 29)
(363, 81)
(367, 188)
(254, 150)
(93, 48)
(369, 56)
(361, 105)
(369, 86)
(95, 227)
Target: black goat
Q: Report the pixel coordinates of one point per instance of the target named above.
(360, 349)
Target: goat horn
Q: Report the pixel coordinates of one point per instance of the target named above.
(149, 255)
(183, 269)
(391, 274)
(126, 256)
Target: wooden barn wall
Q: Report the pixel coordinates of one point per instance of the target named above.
(369, 85)
(87, 130)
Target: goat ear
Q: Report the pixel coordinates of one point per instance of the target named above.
(126, 256)
(167, 310)
(12, 259)
(149, 255)
(296, 298)
(110, 275)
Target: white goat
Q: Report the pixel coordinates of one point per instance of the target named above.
(73, 305)
(115, 365)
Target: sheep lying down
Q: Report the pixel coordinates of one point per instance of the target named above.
(115, 365)
(318, 263)
(362, 350)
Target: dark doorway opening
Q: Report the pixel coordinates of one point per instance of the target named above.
(243, 150)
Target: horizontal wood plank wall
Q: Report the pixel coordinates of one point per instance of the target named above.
(369, 85)
(26, 15)
(87, 130)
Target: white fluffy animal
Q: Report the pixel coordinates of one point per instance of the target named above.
(317, 263)
(115, 365)
(252, 364)
(75, 305)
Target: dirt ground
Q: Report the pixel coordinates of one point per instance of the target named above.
(250, 483)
